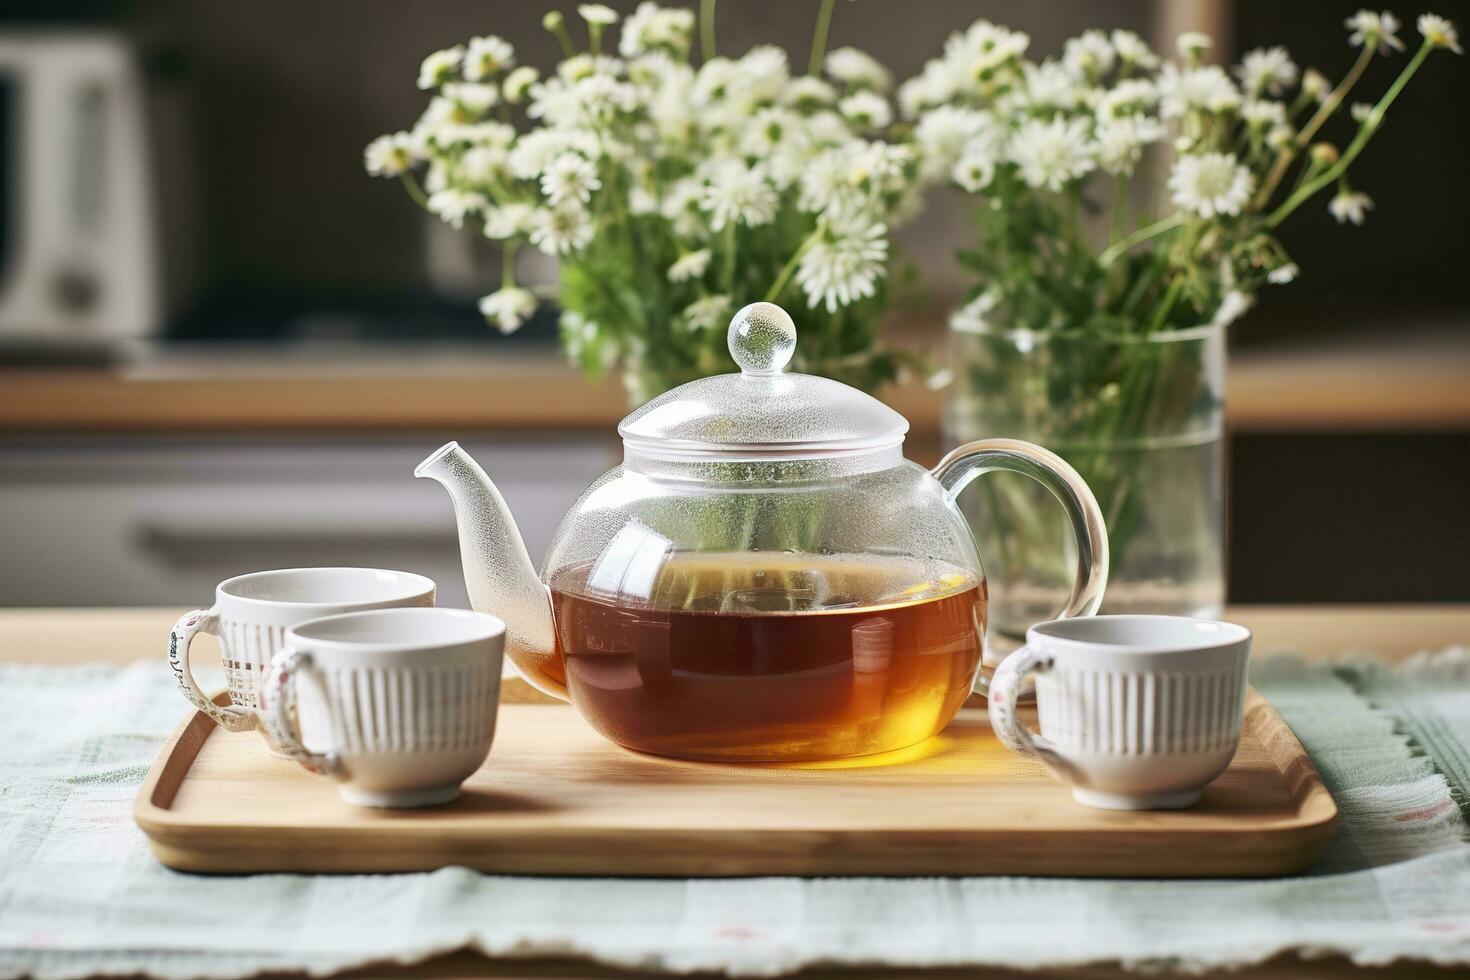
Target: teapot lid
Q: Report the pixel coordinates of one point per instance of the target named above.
(763, 410)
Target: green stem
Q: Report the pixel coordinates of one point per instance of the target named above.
(411, 184)
(1166, 306)
(707, 28)
(1120, 208)
(594, 38)
(730, 259)
(1365, 133)
(568, 50)
(1324, 112)
(1112, 252)
(784, 276)
(508, 263)
(819, 37)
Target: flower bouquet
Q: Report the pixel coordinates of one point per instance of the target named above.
(671, 190)
(1096, 323)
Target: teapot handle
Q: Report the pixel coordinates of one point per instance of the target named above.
(956, 470)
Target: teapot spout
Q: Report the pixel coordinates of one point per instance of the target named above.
(497, 570)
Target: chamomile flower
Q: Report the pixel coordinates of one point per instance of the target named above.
(535, 150)
(508, 220)
(857, 69)
(570, 177)
(390, 155)
(1206, 88)
(454, 205)
(1134, 50)
(809, 92)
(707, 313)
(1192, 44)
(1440, 32)
(508, 308)
(941, 135)
(471, 99)
(1263, 113)
(1315, 84)
(1052, 154)
(518, 84)
(866, 110)
(975, 168)
(480, 164)
(1090, 55)
(1350, 206)
(1051, 85)
(652, 27)
(1130, 97)
(488, 56)
(598, 14)
(1266, 71)
(1360, 111)
(690, 265)
(440, 67)
(845, 263)
(561, 230)
(1210, 185)
(736, 193)
(1120, 142)
(1375, 30)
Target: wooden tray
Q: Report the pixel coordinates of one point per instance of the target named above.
(556, 798)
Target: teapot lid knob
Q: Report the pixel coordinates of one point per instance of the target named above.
(762, 338)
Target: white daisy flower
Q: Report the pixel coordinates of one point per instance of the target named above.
(975, 168)
(707, 313)
(1360, 111)
(1440, 32)
(454, 205)
(1378, 30)
(1210, 184)
(570, 176)
(1207, 88)
(535, 150)
(480, 164)
(866, 110)
(1283, 274)
(970, 318)
(471, 99)
(680, 206)
(844, 264)
(1051, 154)
(769, 130)
(690, 265)
(1050, 85)
(1262, 113)
(809, 92)
(440, 67)
(561, 230)
(1266, 71)
(1130, 97)
(508, 220)
(488, 56)
(736, 193)
(599, 14)
(1090, 55)
(941, 135)
(857, 69)
(1134, 50)
(390, 155)
(652, 27)
(518, 83)
(1192, 44)
(1120, 142)
(508, 308)
(1350, 206)
(1280, 136)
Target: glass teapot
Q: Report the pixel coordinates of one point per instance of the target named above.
(765, 577)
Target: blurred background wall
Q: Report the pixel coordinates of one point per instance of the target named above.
(277, 254)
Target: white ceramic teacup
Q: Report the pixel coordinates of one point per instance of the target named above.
(398, 705)
(252, 612)
(1136, 712)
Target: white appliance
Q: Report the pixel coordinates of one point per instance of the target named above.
(78, 236)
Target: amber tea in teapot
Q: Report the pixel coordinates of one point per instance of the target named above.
(763, 657)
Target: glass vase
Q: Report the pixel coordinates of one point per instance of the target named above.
(1142, 419)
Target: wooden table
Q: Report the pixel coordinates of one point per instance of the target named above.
(118, 636)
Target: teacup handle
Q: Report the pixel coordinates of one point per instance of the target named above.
(278, 697)
(957, 469)
(1006, 688)
(232, 718)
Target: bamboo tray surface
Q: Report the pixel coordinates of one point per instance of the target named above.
(556, 798)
